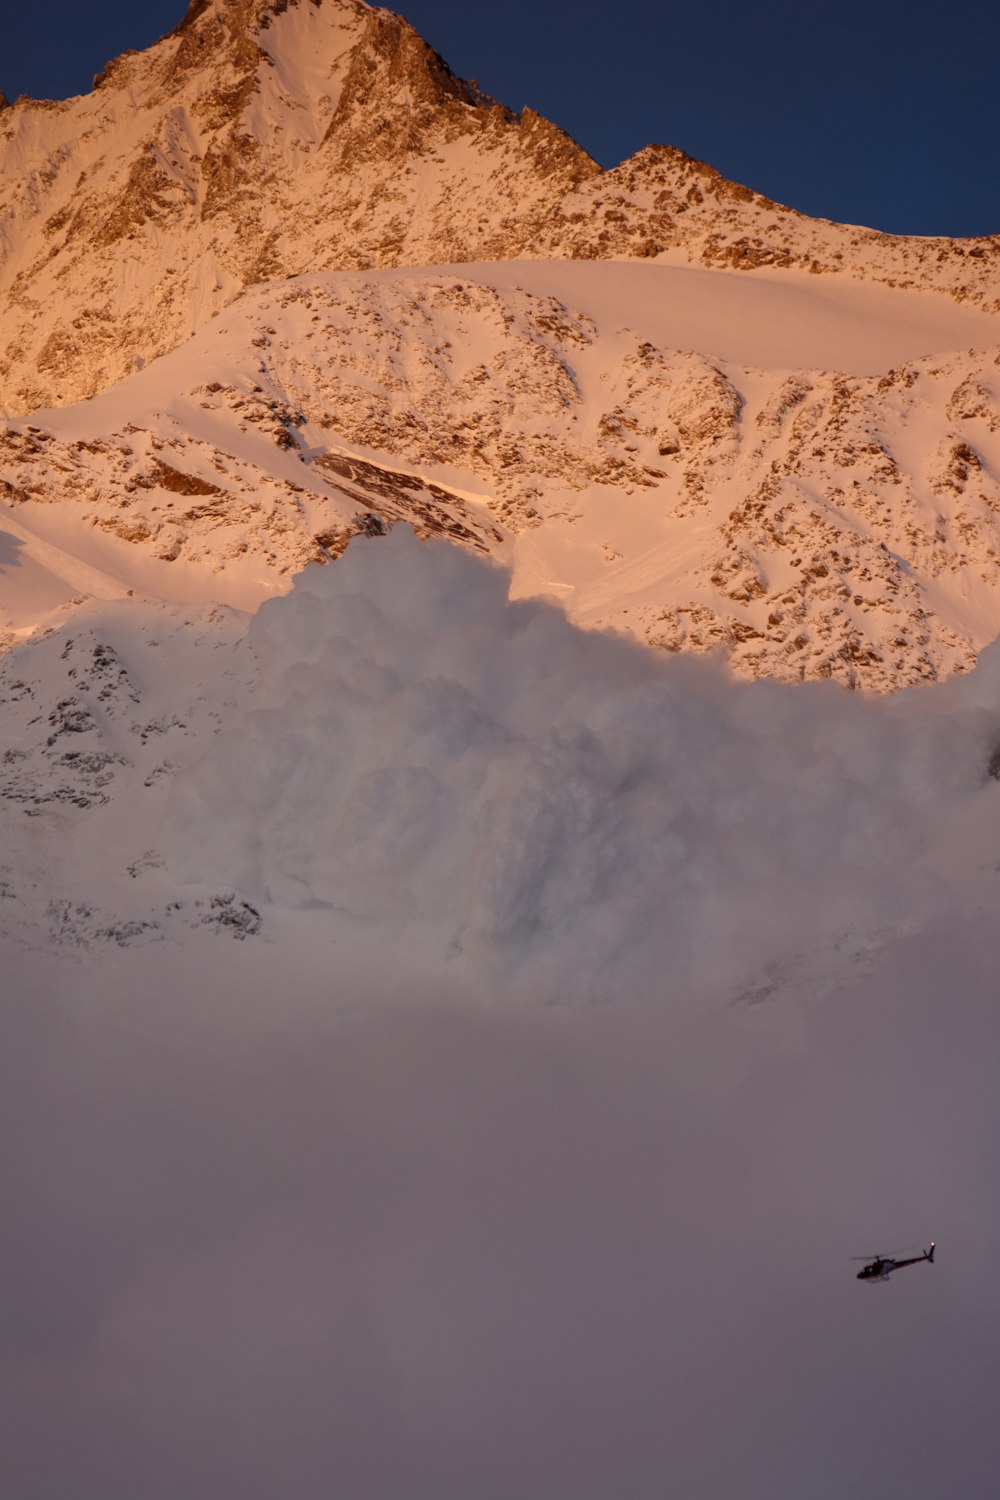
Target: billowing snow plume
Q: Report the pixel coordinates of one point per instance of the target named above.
(481, 779)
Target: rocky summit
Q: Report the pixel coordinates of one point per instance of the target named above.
(263, 140)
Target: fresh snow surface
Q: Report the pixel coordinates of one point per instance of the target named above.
(448, 1052)
(770, 320)
(775, 321)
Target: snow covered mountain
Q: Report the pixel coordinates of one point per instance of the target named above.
(445, 1050)
(640, 388)
(270, 138)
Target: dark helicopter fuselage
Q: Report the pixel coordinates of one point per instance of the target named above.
(882, 1267)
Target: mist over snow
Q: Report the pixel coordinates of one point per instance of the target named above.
(602, 1008)
(480, 781)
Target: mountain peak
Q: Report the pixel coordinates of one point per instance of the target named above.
(247, 15)
(263, 138)
(257, 139)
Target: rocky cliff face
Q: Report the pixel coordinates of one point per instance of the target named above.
(266, 138)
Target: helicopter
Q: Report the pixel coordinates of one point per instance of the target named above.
(881, 1267)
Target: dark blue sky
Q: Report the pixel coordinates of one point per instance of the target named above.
(881, 113)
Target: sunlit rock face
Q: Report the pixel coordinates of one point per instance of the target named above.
(259, 141)
(254, 142)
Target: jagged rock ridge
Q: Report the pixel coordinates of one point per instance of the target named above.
(264, 140)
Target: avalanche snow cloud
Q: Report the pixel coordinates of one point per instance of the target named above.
(534, 804)
(345, 1209)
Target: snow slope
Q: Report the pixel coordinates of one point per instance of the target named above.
(800, 472)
